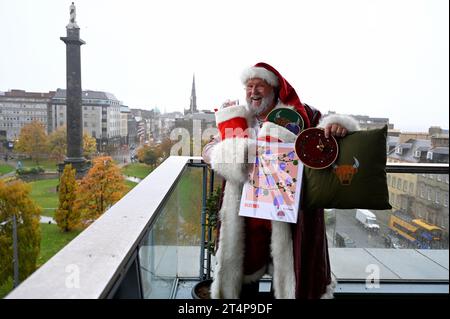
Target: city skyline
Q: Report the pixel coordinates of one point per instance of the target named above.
(384, 59)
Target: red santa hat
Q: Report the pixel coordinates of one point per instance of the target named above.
(286, 93)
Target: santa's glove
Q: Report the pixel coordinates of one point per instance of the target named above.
(271, 132)
(235, 154)
(350, 123)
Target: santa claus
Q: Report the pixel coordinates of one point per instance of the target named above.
(296, 255)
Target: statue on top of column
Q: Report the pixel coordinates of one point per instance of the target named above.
(73, 16)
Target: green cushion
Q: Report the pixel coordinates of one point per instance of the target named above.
(368, 186)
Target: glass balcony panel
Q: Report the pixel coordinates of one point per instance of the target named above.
(171, 248)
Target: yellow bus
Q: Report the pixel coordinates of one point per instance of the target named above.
(417, 232)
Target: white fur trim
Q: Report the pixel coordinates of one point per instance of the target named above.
(260, 73)
(277, 132)
(228, 274)
(344, 120)
(329, 293)
(283, 261)
(231, 112)
(233, 157)
(255, 276)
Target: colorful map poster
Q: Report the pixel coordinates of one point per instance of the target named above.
(273, 189)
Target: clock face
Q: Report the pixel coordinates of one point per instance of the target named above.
(287, 118)
(314, 150)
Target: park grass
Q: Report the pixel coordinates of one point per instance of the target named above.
(139, 170)
(6, 287)
(52, 241)
(5, 168)
(47, 164)
(130, 185)
(44, 193)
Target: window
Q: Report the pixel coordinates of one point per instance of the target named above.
(404, 203)
(438, 198)
(429, 193)
(439, 177)
(411, 188)
(399, 183)
(446, 199)
(422, 191)
(405, 186)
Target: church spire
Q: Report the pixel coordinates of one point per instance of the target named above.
(193, 106)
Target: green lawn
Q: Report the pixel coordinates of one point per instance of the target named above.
(6, 288)
(130, 185)
(52, 241)
(139, 170)
(48, 165)
(44, 193)
(5, 168)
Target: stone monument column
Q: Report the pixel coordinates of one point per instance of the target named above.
(74, 97)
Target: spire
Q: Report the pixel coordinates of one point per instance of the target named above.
(193, 106)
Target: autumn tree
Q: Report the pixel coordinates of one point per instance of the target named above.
(33, 141)
(102, 186)
(149, 155)
(58, 144)
(89, 146)
(66, 217)
(165, 147)
(15, 201)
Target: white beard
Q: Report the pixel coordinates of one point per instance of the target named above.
(266, 102)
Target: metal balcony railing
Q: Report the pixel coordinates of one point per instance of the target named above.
(145, 246)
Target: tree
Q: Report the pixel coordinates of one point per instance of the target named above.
(33, 141)
(89, 146)
(58, 144)
(103, 186)
(149, 155)
(15, 200)
(66, 217)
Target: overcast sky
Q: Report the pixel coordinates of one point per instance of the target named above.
(382, 58)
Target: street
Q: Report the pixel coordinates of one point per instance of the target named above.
(346, 223)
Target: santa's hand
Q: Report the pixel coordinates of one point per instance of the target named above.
(335, 130)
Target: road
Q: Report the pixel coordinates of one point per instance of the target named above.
(347, 223)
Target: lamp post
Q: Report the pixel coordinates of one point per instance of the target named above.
(15, 250)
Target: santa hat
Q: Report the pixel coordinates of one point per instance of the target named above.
(286, 92)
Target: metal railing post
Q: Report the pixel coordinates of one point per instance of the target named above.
(203, 223)
(208, 254)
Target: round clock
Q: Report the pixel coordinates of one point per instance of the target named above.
(287, 118)
(315, 150)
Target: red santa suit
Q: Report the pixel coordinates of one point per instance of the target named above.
(296, 255)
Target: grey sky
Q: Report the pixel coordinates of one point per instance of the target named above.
(383, 58)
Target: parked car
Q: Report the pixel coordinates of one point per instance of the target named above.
(390, 241)
(344, 240)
